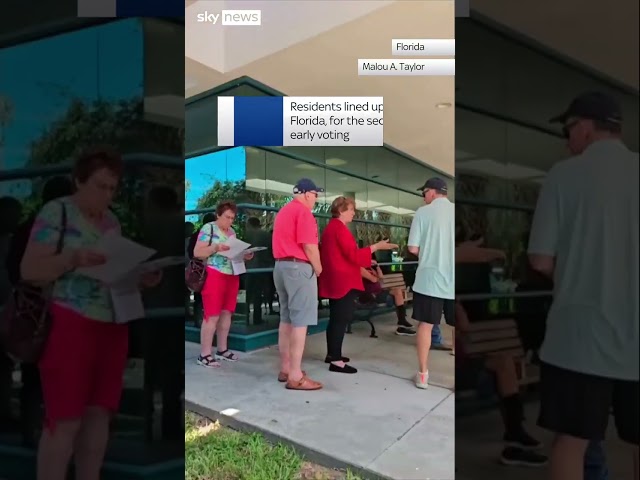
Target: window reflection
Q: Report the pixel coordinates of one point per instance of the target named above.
(500, 162)
(88, 80)
(519, 82)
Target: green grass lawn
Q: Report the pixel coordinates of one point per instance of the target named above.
(213, 452)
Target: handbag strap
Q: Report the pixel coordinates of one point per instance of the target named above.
(63, 229)
(211, 236)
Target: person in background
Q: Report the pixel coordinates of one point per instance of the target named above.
(30, 395)
(584, 236)
(519, 444)
(82, 366)
(531, 312)
(189, 230)
(193, 239)
(163, 231)
(258, 283)
(198, 311)
(298, 266)
(432, 239)
(271, 293)
(10, 213)
(374, 293)
(384, 256)
(341, 279)
(220, 291)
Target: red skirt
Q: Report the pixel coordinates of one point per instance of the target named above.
(220, 293)
(82, 365)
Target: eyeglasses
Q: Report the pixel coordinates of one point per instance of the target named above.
(315, 194)
(566, 130)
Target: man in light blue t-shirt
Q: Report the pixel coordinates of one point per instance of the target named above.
(432, 240)
(585, 237)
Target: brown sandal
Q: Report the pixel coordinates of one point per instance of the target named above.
(305, 383)
(283, 377)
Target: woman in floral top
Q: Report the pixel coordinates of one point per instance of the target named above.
(83, 363)
(220, 291)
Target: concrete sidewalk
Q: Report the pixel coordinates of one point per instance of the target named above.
(375, 421)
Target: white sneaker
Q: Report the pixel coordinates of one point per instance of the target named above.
(421, 380)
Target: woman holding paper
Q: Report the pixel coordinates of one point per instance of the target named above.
(82, 365)
(220, 291)
(341, 280)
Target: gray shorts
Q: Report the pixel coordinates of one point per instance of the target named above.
(297, 287)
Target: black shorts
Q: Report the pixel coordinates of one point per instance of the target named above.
(579, 404)
(430, 309)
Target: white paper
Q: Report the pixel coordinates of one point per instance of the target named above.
(255, 249)
(127, 300)
(159, 264)
(238, 267)
(236, 247)
(123, 255)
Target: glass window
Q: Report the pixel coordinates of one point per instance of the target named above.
(213, 178)
(501, 162)
(83, 84)
(523, 83)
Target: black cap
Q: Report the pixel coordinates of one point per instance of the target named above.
(594, 106)
(435, 183)
(305, 185)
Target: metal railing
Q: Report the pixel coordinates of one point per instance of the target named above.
(147, 159)
(269, 208)
(503, 296)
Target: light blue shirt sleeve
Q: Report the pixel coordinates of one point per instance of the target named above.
(415, 233)
(545, 228)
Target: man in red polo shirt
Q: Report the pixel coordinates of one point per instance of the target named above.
(295, 249)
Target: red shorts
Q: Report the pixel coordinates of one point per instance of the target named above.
(82, 365)
(220, 292)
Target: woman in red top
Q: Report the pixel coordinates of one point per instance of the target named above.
(341, 281)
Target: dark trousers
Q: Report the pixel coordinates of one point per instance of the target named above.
(6, 385)
(163, 373)
(198, 309)
(340, 315)
(595, 462)
(31, 413)
(257, 292)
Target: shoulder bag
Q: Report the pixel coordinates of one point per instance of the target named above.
(196, 271)
(26, 320)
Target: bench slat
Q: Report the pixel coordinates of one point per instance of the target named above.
(492, 325)
(495, 346)
(484, 335)
(393, 282)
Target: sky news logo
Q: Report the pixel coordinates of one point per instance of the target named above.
(231, 17)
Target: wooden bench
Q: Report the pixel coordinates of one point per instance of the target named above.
(486, 338)
(367, 312)
(396, 280)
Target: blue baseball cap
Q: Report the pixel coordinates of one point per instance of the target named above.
(435, 183)
(305, 185)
